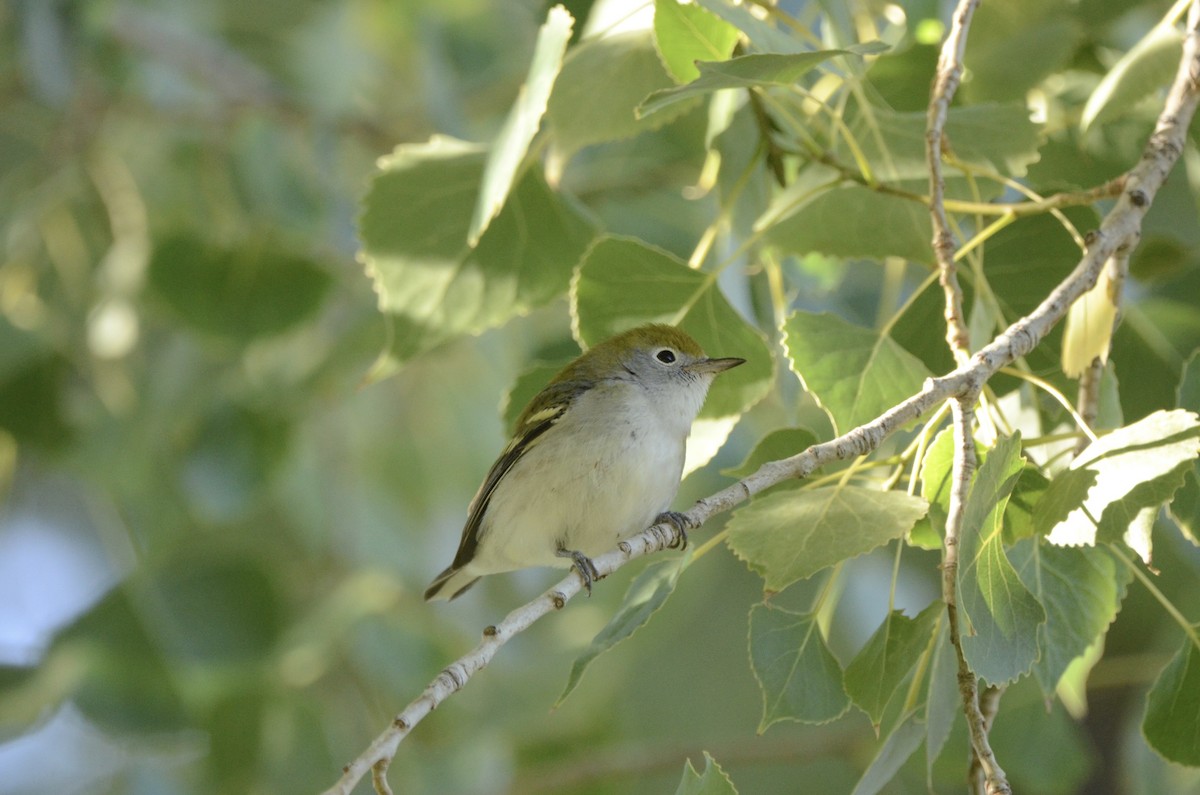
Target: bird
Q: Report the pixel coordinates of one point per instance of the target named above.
(595, 458)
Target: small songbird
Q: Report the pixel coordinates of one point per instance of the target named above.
(595, 459)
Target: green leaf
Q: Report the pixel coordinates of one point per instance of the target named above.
(623, 283)
(848, 221)
(1172, 721)
(1066, 492)
(944, 701)
(1073, 684)
(925, 310)
(1185, 508)
(778, 444)
(227, 459)
(1141, 73)
(799, 677)
(998, 136)
(713, 781)
(1081, 591)
(602, 82)
(787, 536)
(236, 293)
(686, 33)
(1042, 748)
(32, 402)
(1022, 259)
(418, 210)
(936, 467)
(434, 286)
(509, 148)
(876, 672)
(853, 372)
(901, 743)
(762, 34)
(1015, 44)
(216, 609)
(936, 477)
(1001, 618)
(1018, 519)
(18, 348)
(745, 71)
(994, 136)
(1136, 468)
(901, 78)
(646, 594)
(125, 683)
(1155, 334)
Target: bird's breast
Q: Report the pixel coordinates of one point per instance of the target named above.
(598, 478)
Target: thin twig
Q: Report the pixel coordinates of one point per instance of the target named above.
(963, 421)
(989, 705)
(1051, 203)
(945, 84)
(379, 776)
(1087, 402)
(991, 777)
(1119, 230)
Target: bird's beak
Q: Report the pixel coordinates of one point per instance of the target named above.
(714, 366)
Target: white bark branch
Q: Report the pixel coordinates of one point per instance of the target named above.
(945, 85)
(991, 777)
(1119, 231)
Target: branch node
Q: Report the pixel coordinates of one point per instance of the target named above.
(457, 676)
(1138, 197)
(400, 723)
(559, 600)
(489, 631)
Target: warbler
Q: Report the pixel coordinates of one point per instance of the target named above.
(596, 458)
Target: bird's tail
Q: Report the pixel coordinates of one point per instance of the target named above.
(450, 584)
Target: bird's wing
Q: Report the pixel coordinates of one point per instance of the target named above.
(534, 422)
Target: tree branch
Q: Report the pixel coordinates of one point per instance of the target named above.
(1023, 209)
(1119, 231)
(989, 705)
(963, 421)
(945, 84)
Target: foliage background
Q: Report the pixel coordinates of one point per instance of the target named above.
(214, 538)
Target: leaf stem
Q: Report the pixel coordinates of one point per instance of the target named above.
(1058, 396)
(1188, 627)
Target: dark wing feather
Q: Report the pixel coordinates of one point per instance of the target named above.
(540, 416)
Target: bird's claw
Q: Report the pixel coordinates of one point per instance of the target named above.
(680, 522)
(583, 564)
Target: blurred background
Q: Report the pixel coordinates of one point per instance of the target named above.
(214, 537)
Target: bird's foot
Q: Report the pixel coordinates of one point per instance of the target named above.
(680, 522)
(583, 564)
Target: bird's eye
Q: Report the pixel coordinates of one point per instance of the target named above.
(666, 356)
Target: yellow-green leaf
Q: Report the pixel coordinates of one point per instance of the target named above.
(686, 33)
(792, 534)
